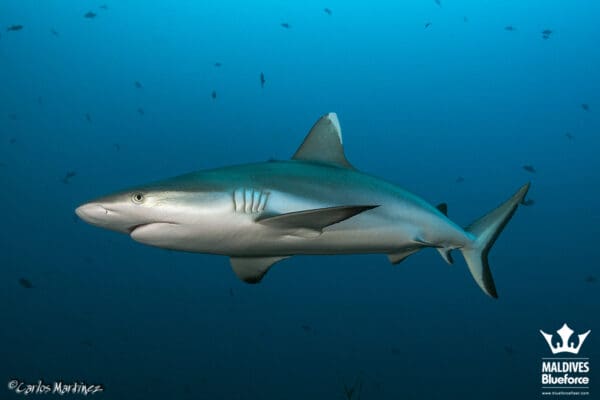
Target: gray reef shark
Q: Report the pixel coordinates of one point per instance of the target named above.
(315, 203)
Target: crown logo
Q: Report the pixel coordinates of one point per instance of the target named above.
(565, 346)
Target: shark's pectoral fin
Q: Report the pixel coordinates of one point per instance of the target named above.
(313, 220)
(397, 258)
(252, 269)
(324, 143)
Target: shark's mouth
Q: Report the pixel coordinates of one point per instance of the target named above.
(132, 228)
(140, 227)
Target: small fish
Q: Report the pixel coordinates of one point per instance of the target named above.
(68, 176)
(89, 14)
(12, 116)
(218, 64)
(460, 179)
(88, 118)
(137, 84)
(529, 168)
(54, 32)
(3, 164)
(40, 101)
(12, 140)
(509, 350)
(230, 292)
(350, 391)
(262, 80)
(438, 2)
(509, 28)
(591, 279)
(465, 19)
(285, 25)
(569, 136)
(546, 34)
(396, 351)
(87, 343)
(306, 328)
(585, 107)
(528, 202)
(140, 111)
(327, 11)
(26, 283)
(427, 25)
(14, 28)
(117, 146)
(104, 7)
(214, 95)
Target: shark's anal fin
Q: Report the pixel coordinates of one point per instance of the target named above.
(397, 258)
(446, 255)
(252, 269)
(314, 220)
(324, 143)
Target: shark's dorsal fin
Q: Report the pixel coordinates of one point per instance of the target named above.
(313, 220)
(252, 269)
(324, 143)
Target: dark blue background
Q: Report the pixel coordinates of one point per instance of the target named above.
(418, 106)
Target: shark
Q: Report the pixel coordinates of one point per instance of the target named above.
(316, 203)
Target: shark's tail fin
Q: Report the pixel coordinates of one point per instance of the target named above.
(485, 232)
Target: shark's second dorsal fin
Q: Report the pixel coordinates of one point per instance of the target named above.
(324, 143)
(443, 207)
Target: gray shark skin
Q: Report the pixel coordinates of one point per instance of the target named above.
(315, 203)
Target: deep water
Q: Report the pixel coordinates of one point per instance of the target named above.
(452, 111)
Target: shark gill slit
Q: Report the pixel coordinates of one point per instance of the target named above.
(247, 200)
(255, 201)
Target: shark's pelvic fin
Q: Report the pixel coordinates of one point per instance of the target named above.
(252, 269)
(422, 242)
(324, 143)
(314, 220)
(397, 258)
(485, 231)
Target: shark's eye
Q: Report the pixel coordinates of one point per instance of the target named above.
(137, 197)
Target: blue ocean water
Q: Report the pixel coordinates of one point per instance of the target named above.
(451, 111)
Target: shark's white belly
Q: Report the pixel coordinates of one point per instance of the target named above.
(231, 228)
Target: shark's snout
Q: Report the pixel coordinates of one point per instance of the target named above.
(120, 216)
(91, 212)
